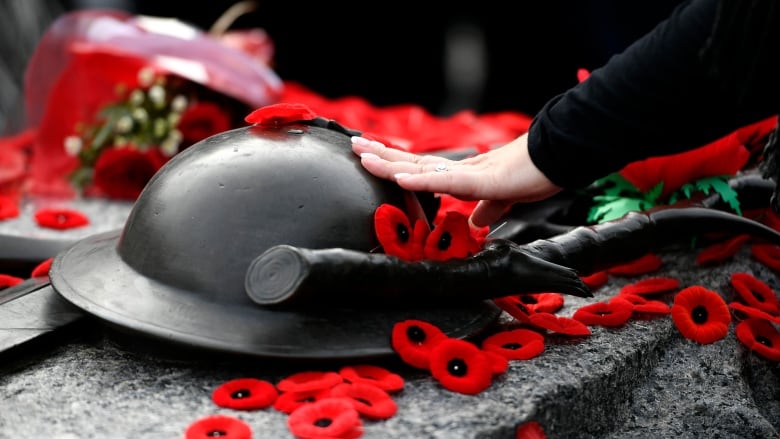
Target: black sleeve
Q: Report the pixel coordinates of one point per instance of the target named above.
(664, 94)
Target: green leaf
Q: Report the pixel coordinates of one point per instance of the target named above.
(608, 208)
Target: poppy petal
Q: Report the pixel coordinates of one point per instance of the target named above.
(60, 218)
(721, 251)
(558, 324)
(517, 344)
(309, 381)
(648, 263)
(752, 312)
(514, 306)
(642, 305)
(6, 280)
(413, 341)
(327, 418)
(530, 430)
(760, 337)
(542, 302)
(651, 285)
(451, 238)
(287, 402)
(461, 366)
(222, 426)
(612, 313)
(596, 279)
(374, 375)
(767, 254)
(369, 400)
(700, 314)
(42, 269)
(245, 394)
(755, 292)
(282, 113)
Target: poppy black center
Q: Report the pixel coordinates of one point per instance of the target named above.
(240, 394)
(415, 334)
(522, 308)
(764, 341)
(528, 299)
(323, 422)
(445, 241)
(699, 315)
(216, 433)
(512, 346)
(402, 232)
(307, 399)
(364, 401)
(457, 367)
(758, 296)
(603, 313)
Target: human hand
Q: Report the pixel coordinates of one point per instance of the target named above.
(499, 178)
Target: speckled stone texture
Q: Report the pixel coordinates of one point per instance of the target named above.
(642, 380)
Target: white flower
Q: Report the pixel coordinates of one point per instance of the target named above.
(124, 124)
(157, 95)
(145, 77)
(73, 145)
(179, 104)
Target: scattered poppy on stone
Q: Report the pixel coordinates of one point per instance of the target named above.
(651, 285)
(542, 302)
(245, 394)
(6, 280)
(767, 254)
(643, 305)
(287, 402)
(648, 263)
(760, 337)
(42, 269)
(369, 400)
(516, 344)
(280, 114)
(596, 279)
(755, 292)
(700, 314)
(558, 324)
(220, 426)
(530, 430)
(612, 313)
(747, 311)
(413, 341)
(60, 218)
(460, 366)
(309, 381)
(721, 251)
(396, 234)
(515, 307)
(371, 374)
(327, 418)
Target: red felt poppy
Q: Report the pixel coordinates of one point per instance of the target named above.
(413, 341)
(9, 207)
(542, 302)
(245, 394)
(451, 238)
(514, 307)
(767, 254)
(642, 305)
(530, 430)
(42, 269)
(283, 113)
(460, 366)
(721, 251)
(651, 285)
(60, 219)
(771, 219)
(395, 233)
(700, 314)
(582, 74)
(498, 362)
(648, 263)
(221, 426)
(309, 381)
(369, 400)
(122, 173)
(558, 324)
(596, 279)
(287, 402)
(760, 337)
(755, 292)
(374, 375)
(612, 313)
(751, 312)
(6, 280)
(517, 344)
(327, 418)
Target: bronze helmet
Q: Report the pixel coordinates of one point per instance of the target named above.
(176, 270)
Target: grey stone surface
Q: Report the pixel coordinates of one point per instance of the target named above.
(640, 380)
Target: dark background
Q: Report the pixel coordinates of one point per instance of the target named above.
(491, 56)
